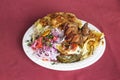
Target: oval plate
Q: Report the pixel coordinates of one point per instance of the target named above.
(63, 66)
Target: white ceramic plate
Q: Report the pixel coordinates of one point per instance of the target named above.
(63, 66)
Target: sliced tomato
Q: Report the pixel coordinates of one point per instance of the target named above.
(74, 46)
(39, 45)
(40, 39)
(39, 42)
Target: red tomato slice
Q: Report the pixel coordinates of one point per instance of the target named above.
(39, 43)
(74, 46)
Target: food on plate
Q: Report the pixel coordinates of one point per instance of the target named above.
(62, 37)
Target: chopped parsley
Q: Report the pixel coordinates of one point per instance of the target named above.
(50, 36)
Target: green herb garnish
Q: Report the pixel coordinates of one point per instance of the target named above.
(29, 43)
(53, 63)
(50, 45)
(50, 36)
(78, 51)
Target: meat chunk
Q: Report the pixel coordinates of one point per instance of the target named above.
(71, 29)
(69, 37)
(76, 38)
(68, 31)
(75, 35)
(85, 30)
(75, 26)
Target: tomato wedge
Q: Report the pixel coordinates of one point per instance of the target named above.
(74, 46)
(39, 43)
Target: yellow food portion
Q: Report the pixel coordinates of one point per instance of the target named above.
(46, 32)
(38, 26)
(91, 44)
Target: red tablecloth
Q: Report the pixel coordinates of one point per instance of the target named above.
(16, 16)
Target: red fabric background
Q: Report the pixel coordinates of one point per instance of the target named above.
(16, 16)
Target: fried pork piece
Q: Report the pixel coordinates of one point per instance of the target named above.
(76, 35)
(69, 37)
(76, 38)
(85, 30)
(71, 28)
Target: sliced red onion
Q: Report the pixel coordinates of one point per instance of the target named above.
(46, 52)
(57, 32)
